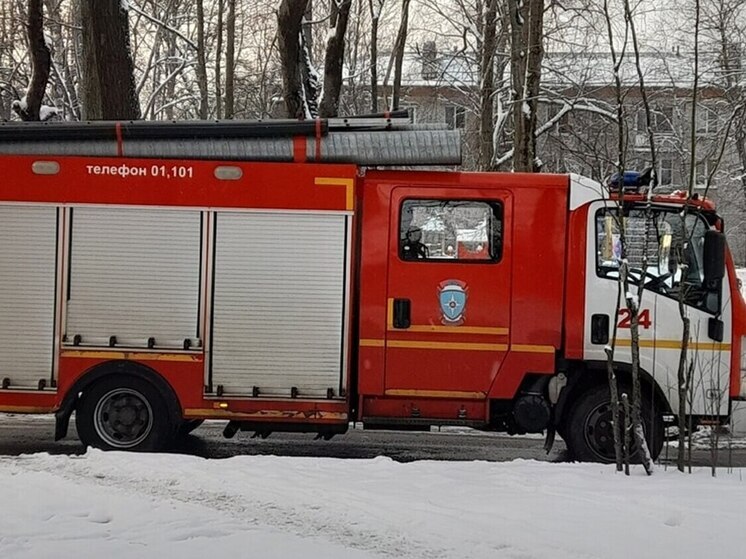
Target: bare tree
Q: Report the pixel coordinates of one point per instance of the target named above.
(335, 47)
(289, 19)
(109, 89)
(527, 52)
(375, 7)
(218, 58)
(488, 23)
(617, 59)
(29, 108)
(230, 59)
(201, 61)
(63, 31)
(397, 58)
(723, 24)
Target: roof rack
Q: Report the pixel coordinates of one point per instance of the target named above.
(376, 139)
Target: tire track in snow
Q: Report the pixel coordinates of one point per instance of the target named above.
(305, 522)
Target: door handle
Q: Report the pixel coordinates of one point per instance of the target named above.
(402, 313)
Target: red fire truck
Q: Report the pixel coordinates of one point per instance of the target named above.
(275, 275)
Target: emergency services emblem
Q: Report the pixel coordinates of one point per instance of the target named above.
(452, 297)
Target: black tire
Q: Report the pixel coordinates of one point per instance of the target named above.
(588, 429)
(124, 412)
(189, 425)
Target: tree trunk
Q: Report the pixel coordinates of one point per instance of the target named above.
(643, 452)
(218, 59)
(375, 12)
(307, 37)
(62, 66)
(401, 41)
(741, 150)
(643, 92)
(527, 51)
(108, 85)
(230, 59)
(621, 138)
(627, 433)
(170, 92)
(289, 20)
(201, 61)
(310, 81)
(334, 58)
(74, 71)
(41, 61)
(487, 91)
(614, 385)
(683, 381)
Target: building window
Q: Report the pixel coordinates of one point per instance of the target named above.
(430, 65)
(661, 120)
(642, 124)
(450, 230)
(707, 120)
(665, 171)
(455, 116)
(702, 174)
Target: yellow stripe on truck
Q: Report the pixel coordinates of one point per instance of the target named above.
(676, 344)
(131, 355)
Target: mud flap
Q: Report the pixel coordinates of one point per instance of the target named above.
(62, 419)
(549, 441)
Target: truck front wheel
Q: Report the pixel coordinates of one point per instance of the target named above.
(123, 413)
(589, 433)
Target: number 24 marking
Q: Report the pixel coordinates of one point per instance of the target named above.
(626, 318)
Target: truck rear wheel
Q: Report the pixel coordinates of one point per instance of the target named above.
(589, 432)
(124, 413)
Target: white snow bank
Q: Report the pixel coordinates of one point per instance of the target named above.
(119, 505)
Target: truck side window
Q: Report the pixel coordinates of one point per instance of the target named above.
(462, 230)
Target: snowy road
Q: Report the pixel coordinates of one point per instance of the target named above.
(30, 434)
(21, 434)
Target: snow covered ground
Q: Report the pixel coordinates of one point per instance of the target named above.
(118, 505)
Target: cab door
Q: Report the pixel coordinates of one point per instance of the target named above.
(448, 291)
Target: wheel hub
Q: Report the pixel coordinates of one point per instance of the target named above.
(599, 432)
(123, 418)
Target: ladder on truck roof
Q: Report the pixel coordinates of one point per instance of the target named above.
(368, 140)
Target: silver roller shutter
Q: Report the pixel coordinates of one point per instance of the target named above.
(134, 274)
(28, 246)
(278, 303)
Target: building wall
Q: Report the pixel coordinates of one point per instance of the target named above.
(586, 142)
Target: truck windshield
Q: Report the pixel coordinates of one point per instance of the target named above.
(665, 247)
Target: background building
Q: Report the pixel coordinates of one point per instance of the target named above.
(578, 131)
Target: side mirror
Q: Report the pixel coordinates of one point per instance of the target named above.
(714, 257)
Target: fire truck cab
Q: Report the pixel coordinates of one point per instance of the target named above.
(289, 285)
